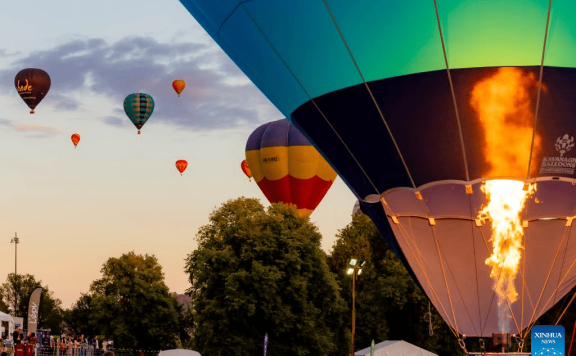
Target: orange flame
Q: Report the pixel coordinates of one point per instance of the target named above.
(505, 202)
(505, 109)
(504, 106)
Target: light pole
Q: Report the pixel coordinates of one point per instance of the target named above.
(355, 270)
(15, 240)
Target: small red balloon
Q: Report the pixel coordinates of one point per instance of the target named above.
(75, 139)
(181, 165)
(246, 169)
(178, 86)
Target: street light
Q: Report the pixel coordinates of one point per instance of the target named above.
(355, 270)
(15, 240)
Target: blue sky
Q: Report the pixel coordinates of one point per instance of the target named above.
(118, 191)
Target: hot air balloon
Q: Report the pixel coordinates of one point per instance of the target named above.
(246, 169)
(32, 84)
(178, 85)
(181, 165)
(139, 107)
(75, 139)
(421, 107)
(287, 168)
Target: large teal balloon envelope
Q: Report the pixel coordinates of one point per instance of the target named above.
(415, 103)
(139, 107)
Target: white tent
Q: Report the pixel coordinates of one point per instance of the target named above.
(6, 324)
(178, 352)
(395, 348)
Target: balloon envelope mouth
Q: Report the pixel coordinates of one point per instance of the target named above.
(437, 228)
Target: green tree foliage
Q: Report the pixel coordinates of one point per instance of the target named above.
(389, 304)
(16, 295)
(3, 305)
(260, 271)
(77, 318)
(131, 304)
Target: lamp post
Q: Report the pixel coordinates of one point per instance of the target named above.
(15, 240)
(355, 270)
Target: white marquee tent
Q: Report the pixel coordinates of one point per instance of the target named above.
(178, 352)
(6, 324)
(395, 348)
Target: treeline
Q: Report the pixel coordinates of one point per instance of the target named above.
(130, 304)
(256, 271)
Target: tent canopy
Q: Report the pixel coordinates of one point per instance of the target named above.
(178, 352)
(6, 317)
(395, 348)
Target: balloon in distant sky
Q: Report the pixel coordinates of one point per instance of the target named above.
(287, 168)
(246, 169)
(139, 107)
(181, 165)
(75, 139)
(179, 85)
(32, 84)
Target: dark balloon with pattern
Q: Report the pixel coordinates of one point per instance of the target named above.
(32, 85)
(139, 107)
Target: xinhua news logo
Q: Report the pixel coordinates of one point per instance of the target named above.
(548, 340)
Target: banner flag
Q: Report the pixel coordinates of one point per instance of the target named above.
(265, 344)
(33, 310)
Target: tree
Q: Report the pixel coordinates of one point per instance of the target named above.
(258, 272)
(3, 306)
(131, 304)
(16, 296)
(389, 304)
(77, 318)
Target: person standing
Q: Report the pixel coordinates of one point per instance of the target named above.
(16, 335)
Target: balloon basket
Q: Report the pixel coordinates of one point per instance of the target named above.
(31, 111)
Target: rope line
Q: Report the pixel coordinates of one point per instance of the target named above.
(229, 15)
(444, 276)
(534, 311)
(539, 89)
(410, 244)
(404, 233)
(440, 254)
(241, 3)
(475, 213)
(371, 94)
(452, 92)
(565, 309)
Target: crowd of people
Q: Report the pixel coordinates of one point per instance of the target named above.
(65, 345)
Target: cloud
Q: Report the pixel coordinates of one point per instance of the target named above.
(115, 121)
(217, 94)
(35, 130)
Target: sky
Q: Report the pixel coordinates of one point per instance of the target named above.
(118, 191)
